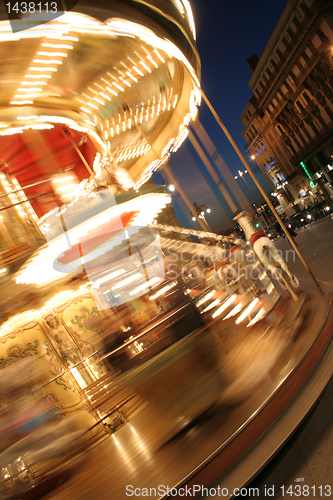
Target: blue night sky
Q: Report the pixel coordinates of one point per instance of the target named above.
(228, 33)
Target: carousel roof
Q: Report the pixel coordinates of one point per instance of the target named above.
(85, 84)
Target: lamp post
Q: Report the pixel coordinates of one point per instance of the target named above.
(269, 203)
(241, 175)
(168, 185)
(199, 212)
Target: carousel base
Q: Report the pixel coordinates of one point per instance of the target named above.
(273, 382)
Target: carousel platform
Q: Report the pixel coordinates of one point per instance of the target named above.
(273, 376)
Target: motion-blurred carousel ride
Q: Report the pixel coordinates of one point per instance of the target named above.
(113, 321)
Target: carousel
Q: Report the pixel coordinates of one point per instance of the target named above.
(169, 352)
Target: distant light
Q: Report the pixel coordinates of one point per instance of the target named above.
(269, 235)
(208, 210)
(194, 218)
(327, 208)
(309, 216)
(302, 220)
(171, 187)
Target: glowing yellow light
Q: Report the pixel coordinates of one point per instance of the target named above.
(224, 306)
(54, 54)
(21, 102)
(57, 46)
(211, 305)
(145, 285)
(35, 68)
(247, 311)
(126, 281)
(163, 290)
(34, 76)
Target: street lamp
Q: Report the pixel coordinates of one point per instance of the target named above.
(168, 185)
(241, 175)
(199, 212)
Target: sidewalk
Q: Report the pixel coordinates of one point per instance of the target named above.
(308, 455)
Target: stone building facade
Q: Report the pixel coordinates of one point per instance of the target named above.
(288, 123)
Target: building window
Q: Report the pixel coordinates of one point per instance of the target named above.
(273, 63)
(280, 129)
(321, 35)
(269, 165)
(286, 84)
(260, 150)
(278, 53)
(290, 32)
(265, 167)
(269, 73)
(250, 113)
(305, 56)
(256, 152)
(272, 161)
(305, 8)
(307, 97)
(263, 146)
(300, 105)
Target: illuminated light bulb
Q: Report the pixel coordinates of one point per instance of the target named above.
(35, 68)
(131, 76)
(112, 91)
(126, 281)
(224, 306)
(66, 38)
(57, 46)
(33, 89)
(105, 96)
(205, 298)
(211, 306)
(152, 61)
(21, 102)
(118, 86)
(99, 100)
(40, 76)
(138, 71)
(24, 96)
(159, 56)
(54, 54)
(145, 66)
(234, 311)
(92, 105)
(145, 285)
(86, 110)
(247, 311)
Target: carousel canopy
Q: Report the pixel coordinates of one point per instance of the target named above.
(95, 93)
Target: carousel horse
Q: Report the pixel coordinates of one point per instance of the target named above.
(265, 250)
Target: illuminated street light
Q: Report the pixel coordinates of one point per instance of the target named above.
(200, 212)
(168, 185)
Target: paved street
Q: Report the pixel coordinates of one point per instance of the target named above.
(308, 455)
(315, 242)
